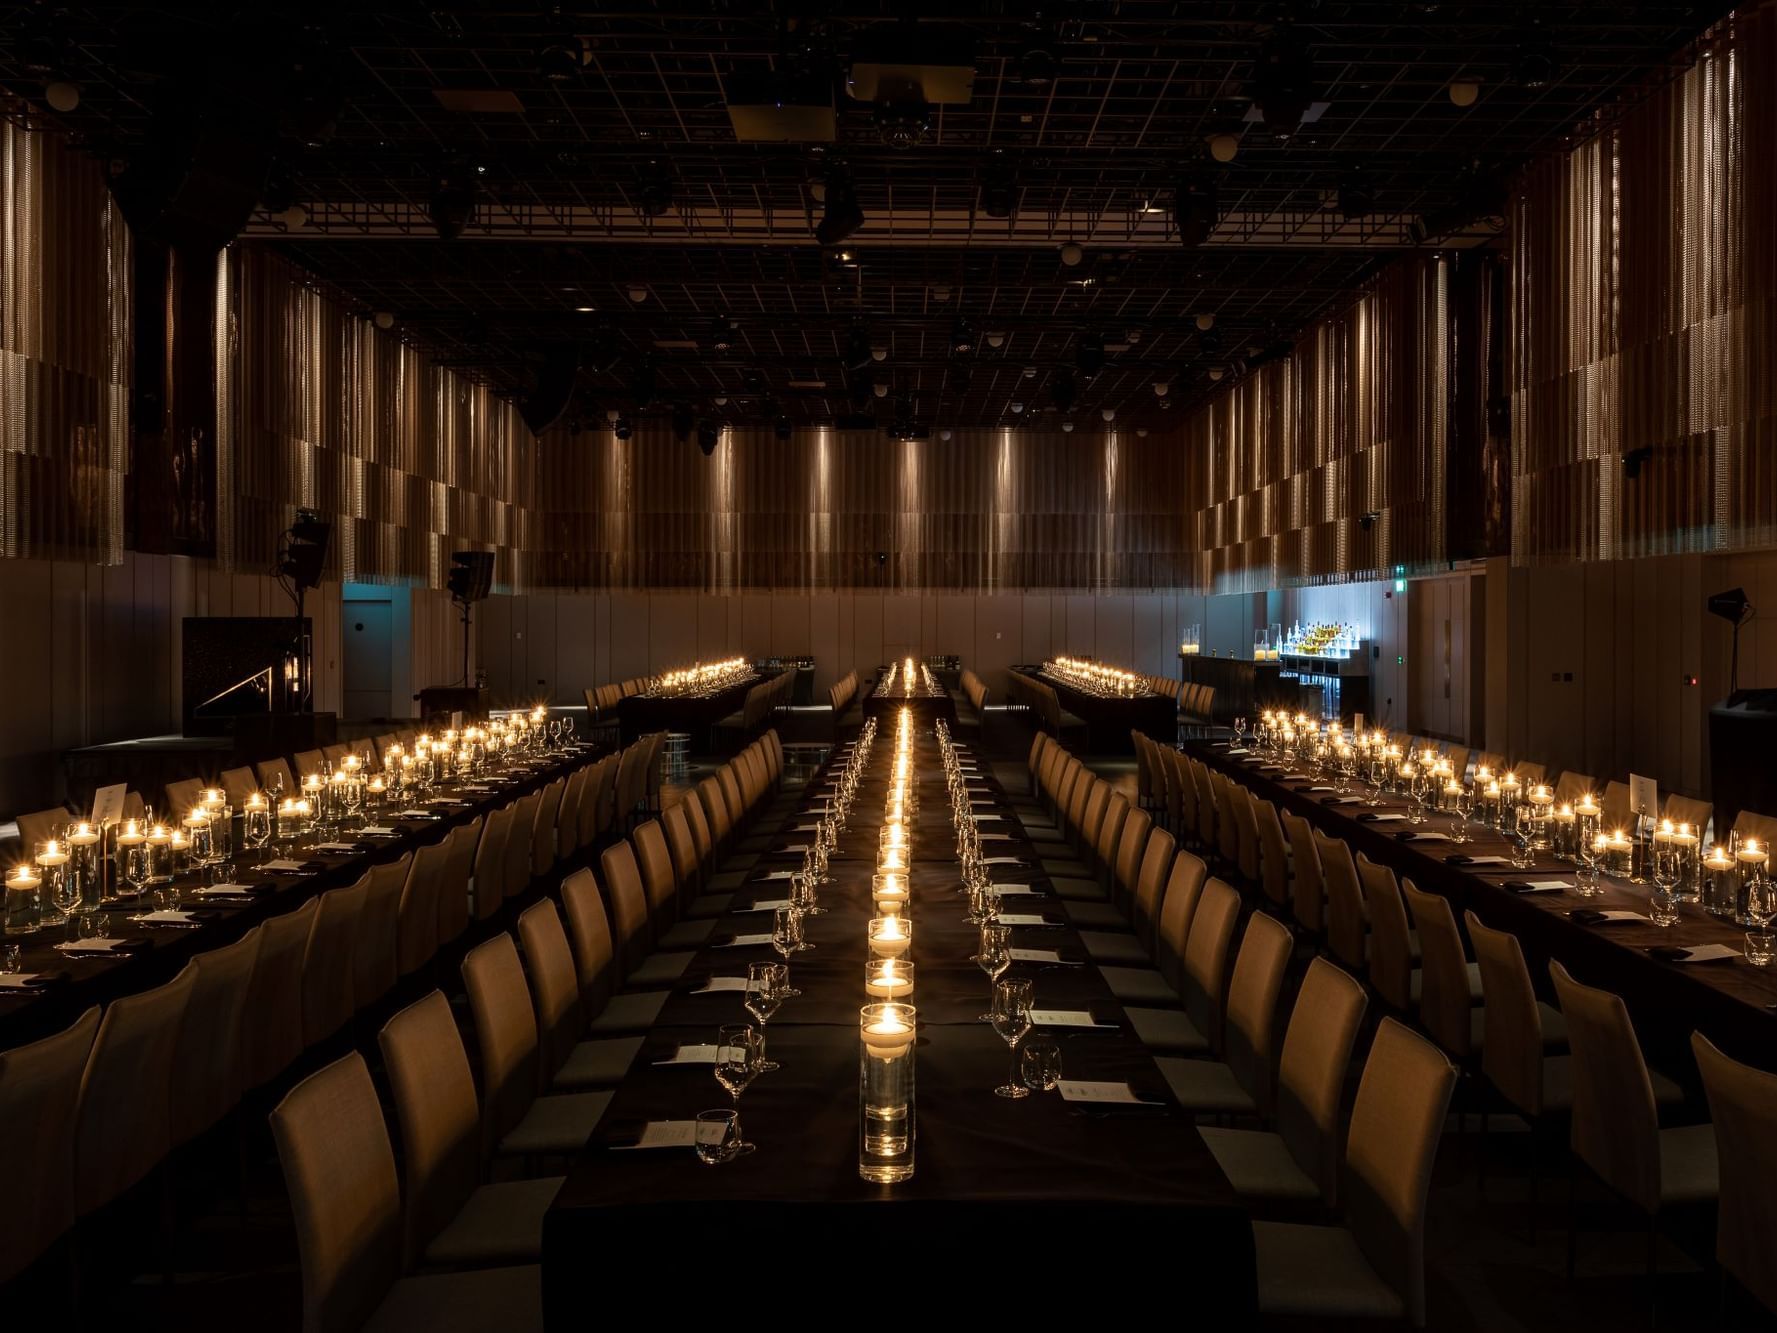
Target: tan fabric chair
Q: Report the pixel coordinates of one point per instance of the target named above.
(1752, 825)
(1244, 1084)
(417, 912)
(516, 875)
(375, 951)
(1197, 1029)
(1450, 985)
(1689, 810)
(450, 1218)
(1348, 924)
(515, 1121)
(1530, 774)
(124, 1122)
(307, 763)
(1246, 830)
(1110, 936)
(1616, 1123)
(489, 879)
(1743, 1103)
(39, 1097)
(544, 851)
(1308, 895)
(568, 819)
(1373, 1266)
(340, 1172)
(41, 826)
(566, 1061)
(1299, 1162)
(1616, 813)
(275, 776)
(1521, 1030)
(237, 785)
(1392, 974)
(715, 814)
(334, 753)
(595, 966)
(1573, 785)
(659, 885)
(1274, 856)
(182, 796)
(271, 1033)
(1132, 845)
(207, 1078)
(454, 908)
(329, 964)
(595, 817)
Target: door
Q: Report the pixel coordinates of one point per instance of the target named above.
(369, 656)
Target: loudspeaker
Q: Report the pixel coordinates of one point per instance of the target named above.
(555, 388)
(471, 575)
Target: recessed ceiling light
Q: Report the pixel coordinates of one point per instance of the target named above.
(585, 309)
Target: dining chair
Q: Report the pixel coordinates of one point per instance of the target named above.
(490, 862)
(39, 1098)
(520, 839)
(1108, 933)
(1161, 983)
(237, 785)
(1348, 925)
(1126, 858)
(376, 958)
(1688, 810)
(275, 776)
(641, 967)
(1530, 774)
(182, 796)
(516, 1122)
(1246, 829)
(1197, 1027)
(1392, 974)
(1372, 1267)
(715, 815)
(661, 884)
(450, 1219)
(1450, 987)
(1743, 1106)
(675, 824)
(207, 1078)
(1572, 785)
(1308, 901)
(1229, 795)
(1615, 1129)
(596, 817)
(123, 1124)
(719, 883)
(418, 908)
(339, 1170)
(1298, 1161)
(40, 826)
(334, 753)
(1616, 813)
(1242, 1082)
(271, 1033)
(570, 820)
(307, 763)
(567, 1061)
(454, 894)
(329, 964)
(1274, 857)
(1750, 824)
(1081, 819)
(544, 849)
(608, 1011)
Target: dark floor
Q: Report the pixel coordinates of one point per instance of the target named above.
(1484, 1270)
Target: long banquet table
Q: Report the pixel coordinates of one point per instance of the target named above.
(1110, 718)
(1034, 1203)
(694, 714)
(26, 1014)
(1731, 1001)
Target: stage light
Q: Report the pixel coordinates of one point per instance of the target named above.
(1283, 81)
(1036, 67)
(721, 333)
(1635, 460)
(1367, 520)
(878, 352)
(781, 428)
(1108, 413)
(996, 339)
(1017, 408)
(452, 205)
(637, 293)
(683, 424)
(880, 389)
(962, 336)
(1194, 211)
(1089, 355)
(1355, 201)
(841, 214)
(1067, 428)
(654, 189)
(1216, 373)
(999, 189)
(903, 124)
(383, 319)
(622, 429)
(708, 434)
(1161, 388)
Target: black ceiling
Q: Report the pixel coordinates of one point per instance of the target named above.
(1091, 155)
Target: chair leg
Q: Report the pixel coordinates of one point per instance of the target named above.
(1653, 1283)
(1572, 1217)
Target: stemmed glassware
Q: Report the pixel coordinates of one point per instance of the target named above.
(994, 956)
(1521, 833)
(1239, 731)
(1663, 904)
(786, 938)
(1011, 1019)
(766, 983)
(1462, 805)
(739, 1050)
(1761, 909)
(256, 825)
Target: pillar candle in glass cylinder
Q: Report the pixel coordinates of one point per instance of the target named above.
(889, 888)
(1541, 801)
(890, 936)
(886, 1121)
(22, 884)
(1721, 880)
(85, 867)
(888, 979)
(1620, 854)
(1753, 858)
(1686, 844)
(1563, 824)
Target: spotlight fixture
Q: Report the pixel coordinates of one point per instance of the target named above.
(451, 207)
(1635, 460)
(1216, 373)
(880, 388)
(1733, 607)
(1161, 388)
(879, 352)
(1108, 413)
(613, 416)
(721, 333)
(1194, 211)
(683, 423)
(1355, 200)
(1367, 519)
(1283, 81)
(841, 214)
(1072, 254)
(622, 428)
(780, 428)
(383, 319)
(962, 336)
(1205, 323)
(1224, 147)
(903, 124)
(720, 400)
(999, 190)
(1062, 391)
(1535, 63)
(1089, 355)
(295, 217)
(1464, 92)
(708, 433)
(944, 434)
(1017, 408)
(1036, 67)
(1141, 432)
(940, 293)
(654, 189)
(1067, 428)
(63, 95)
(996, 339)
(563, 59)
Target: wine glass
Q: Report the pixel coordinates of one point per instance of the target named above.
(738, 1053)
(1462, 805)
(1520, 833)
(1761, 908)
(1663, 905)
(765, 992)
(1239, 730)
(994, 956)
(786, 938)
(1011, 1019)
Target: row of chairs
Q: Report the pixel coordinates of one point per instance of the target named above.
(760, 704)
(971, 712)
(559, 1016)
(1044, 703)
(1339, 1207)
(240, 1017)
(1577, 1067)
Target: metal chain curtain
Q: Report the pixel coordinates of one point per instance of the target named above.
(985, 509)
(1644, 306)
(317, 407)
(1280, 469)
(64, 354)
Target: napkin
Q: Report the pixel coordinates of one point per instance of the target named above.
(1459, 859)
(1379, 817)
(337, 848)
(767, 904)
(1025, 919)
(691, 1055)
(1537, 885)
(654, 1134)
(377, 831)
(173, 916)
(740, 941)
(1411, 836)
(1696, 953)
(1001, 860)
(100, 948)
(285, 867)
(27, 981)
(1068, 1018)
(1044, 956)
(1592, 916)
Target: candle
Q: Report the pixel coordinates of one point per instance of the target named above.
(887, 1032)
(22, 877)
(53, 854)
(888, 979)
(1586, 806)
(255, 803)
(890, 936)
(214, 797)
(84, 835)
(892, 858)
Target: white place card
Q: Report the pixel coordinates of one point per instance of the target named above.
(1066, 1018)
(719, 985)
(1121, 1094)
(1323, 788)
(985, 819)
(744, 942)
(1347, 800)
(284, 867)
(1238, 749)
(1644, 795)
(1010, 890)
(108, 804)
(166, 917)
(1545, 886)
(1706, 953)
(1386, 818)
(1039, 956)
(1002, 860)
(1024, 919)
(997, 837)
(692, 1055)
(663, 1134)
(222, 890)
(336, 847)
(1489, 861)
(779, 874)
(1614, 914)
(417, 814)
(377, 831)
(1431, 837)
(91, 946)
(767, 905)
(20, 981)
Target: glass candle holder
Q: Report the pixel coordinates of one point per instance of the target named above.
(1687, 847)
(86, 868)
(1752, 860)
(22, 886)
(52, 874)
(1563, 825)
(890, 936)
(889, 979)
(889, 889)
(1721, 881)
(886, 1120)
(1619, 854)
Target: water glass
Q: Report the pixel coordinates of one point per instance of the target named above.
(718, 1137)
(1039, 1064)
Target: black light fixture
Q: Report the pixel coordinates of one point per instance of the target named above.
(1089, 355)
(999, 190)
(1283, 81)
(780, 428)
(962, 336)
(708, 435)
(1194, 211)
(1356, 200)
(641, 384)
(1367, 519)
(654, 189)
(721, 333)
(451, 207)
(1635, 460)
(1062, 391)
(903, 123)
(841, 214)
(683, 422)
(622, 429)
(470, 580)
(1733, 607)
